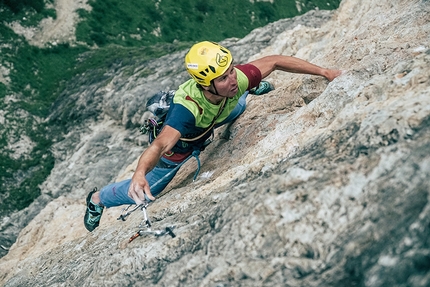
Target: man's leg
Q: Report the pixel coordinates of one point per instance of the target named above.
(263, 88)
(116, 194)
(237, 111)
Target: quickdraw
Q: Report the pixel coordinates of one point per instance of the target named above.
(152, 127)
(146, 223)
(168, 230)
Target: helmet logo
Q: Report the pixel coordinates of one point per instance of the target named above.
(192, 66)
(221, 60)
(203, 51)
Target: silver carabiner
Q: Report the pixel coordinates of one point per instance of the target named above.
(125, 213)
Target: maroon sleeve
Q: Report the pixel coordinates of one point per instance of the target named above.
(253, 74)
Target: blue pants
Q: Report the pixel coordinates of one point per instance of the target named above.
(116, 194)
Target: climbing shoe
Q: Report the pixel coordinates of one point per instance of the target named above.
(263, 88)
(93, 213)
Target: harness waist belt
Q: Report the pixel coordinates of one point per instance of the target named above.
(176, 157)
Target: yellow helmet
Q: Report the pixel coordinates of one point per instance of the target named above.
(206, 61)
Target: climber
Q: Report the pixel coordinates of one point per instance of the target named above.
(214, 96)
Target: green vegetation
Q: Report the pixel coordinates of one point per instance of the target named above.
(134, 23)
(17, 6)
(27, 12)
(115, 32)
(22, 193)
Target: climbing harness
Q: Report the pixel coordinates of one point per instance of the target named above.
(145, 225)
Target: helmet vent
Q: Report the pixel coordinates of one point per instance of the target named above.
(224, 51)
(212, 69)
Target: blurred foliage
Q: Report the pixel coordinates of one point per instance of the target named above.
(27, 12)
(134, 23)
(17, 6)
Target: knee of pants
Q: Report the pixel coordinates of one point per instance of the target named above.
(237, 111)
(116, 194)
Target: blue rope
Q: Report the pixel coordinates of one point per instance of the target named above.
(196, 154)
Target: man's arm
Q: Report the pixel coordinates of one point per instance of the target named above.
(269, 64)
(163, 143)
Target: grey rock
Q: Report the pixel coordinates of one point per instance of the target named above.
(316, 184)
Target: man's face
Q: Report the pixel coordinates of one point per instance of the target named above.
(226, 84)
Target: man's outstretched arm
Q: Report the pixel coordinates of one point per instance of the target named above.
(269, 64)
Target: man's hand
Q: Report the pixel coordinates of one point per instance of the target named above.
(332, 74)
(138, 188)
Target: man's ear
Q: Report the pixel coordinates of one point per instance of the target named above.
(206, 88)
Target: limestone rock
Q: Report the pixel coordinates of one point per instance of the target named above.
(316, 184)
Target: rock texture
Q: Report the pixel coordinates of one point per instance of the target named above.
(317, 184)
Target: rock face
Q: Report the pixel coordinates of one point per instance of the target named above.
(108, 108)
(316, 184)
